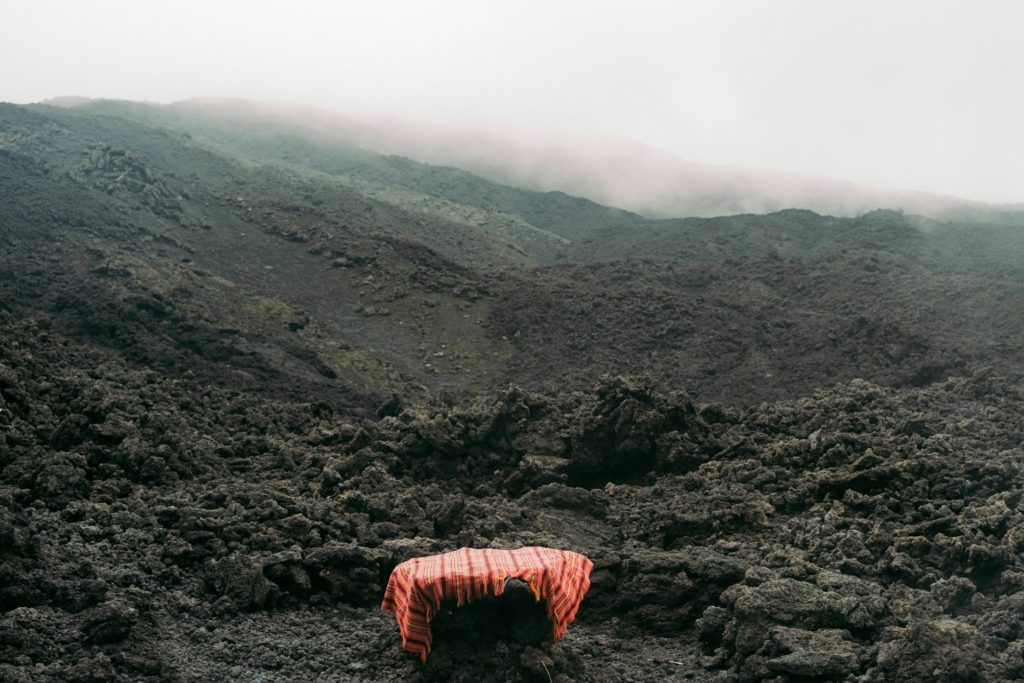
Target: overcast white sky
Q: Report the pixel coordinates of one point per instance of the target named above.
(923, 95)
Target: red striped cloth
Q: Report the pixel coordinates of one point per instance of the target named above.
(418, 586)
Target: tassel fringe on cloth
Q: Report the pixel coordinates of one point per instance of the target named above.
(419, 586)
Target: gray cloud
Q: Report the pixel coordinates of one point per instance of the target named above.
(913, 95)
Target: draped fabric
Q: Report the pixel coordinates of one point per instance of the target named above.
(419, 586)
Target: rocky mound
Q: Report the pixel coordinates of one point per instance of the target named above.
(167, 529)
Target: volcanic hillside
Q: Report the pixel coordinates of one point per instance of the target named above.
(245, 370)
(274, 260)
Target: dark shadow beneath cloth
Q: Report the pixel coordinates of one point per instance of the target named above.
(491, 628)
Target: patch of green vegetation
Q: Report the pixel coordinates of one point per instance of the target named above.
(223, 282)
(273, 309)
(474, 365)
(359, 370)
(127, 272)
(151, 278)
(458, 346)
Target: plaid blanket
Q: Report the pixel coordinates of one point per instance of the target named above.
(418, 586)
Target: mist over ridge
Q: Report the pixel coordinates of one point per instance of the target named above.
(616, 172)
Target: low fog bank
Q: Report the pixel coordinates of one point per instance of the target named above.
(611, 171)
(630, 175)
(657, 184)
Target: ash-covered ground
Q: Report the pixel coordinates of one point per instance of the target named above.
(243, 376)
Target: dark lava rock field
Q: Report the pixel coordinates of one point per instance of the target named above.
(245, 372)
